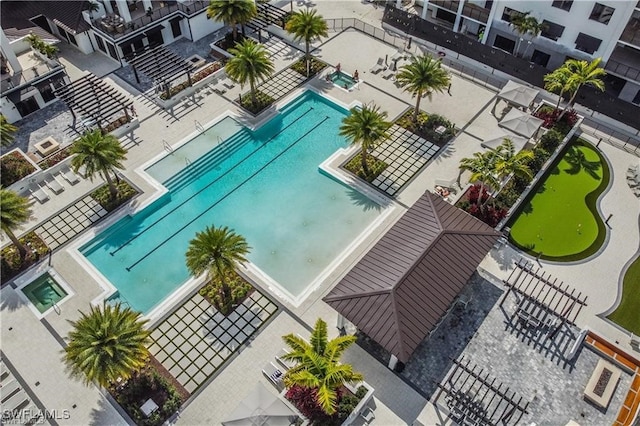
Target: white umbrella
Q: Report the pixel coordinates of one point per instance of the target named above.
(518, 141)
(517, 94)
(261, 407)
(521, 123)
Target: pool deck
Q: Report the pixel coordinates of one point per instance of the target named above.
(469, 107)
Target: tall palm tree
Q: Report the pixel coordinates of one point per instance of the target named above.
(14, 211)
(525, 25)
(98, 154)
(7, 131)
(318, 365)
(232, 12)
(216, 251)
(308, 26)
(482, 168)
(106, 344)
(584, 73)
(423, 75)
(507, 161)
(366, 127)
(558, 82)
(250, 63)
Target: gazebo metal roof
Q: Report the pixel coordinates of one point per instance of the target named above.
(400, 289)
(518, 141)
(93, 98)
(517, 94)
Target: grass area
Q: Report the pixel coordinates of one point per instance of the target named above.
(626, 314)
(561, 220)
(375, 167)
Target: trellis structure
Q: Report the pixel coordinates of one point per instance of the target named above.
(94, 100)
(543, 300)
(160, 65)
(475, 398)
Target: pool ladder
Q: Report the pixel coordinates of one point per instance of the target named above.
(166, 146)
(198, 126)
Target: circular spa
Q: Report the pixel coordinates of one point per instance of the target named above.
(559, 221)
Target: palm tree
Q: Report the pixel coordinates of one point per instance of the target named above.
(308, 26)
(507, 161)
(98, 154)
(317, 365)
(366, 127)
(482, 168)
(525, 24)
(7, 131)
(14, 211)
(216, 251)
(232, 12)
(558, 82)
(107, 344)
(92, 7)
(250, 63)
(584, 73)
(423, 75)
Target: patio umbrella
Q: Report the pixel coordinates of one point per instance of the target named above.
(518, 141)
(517, 94)
(521, 123)
(261, 407)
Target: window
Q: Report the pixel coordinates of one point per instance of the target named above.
(564, 4)
(588, 44)
(508, 13)
(101, 45)
(636, 99)
(504, 43)
(601, 13)
(540, 58)
(551, 30)
(175, 27)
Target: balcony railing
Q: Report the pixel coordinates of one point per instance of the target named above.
(469, 10)
(26, 76)
(451, 5)
(623, 70)
(631, 35)
(116, 30)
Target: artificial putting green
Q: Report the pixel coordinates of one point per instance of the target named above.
(560, 221)
(627, 313)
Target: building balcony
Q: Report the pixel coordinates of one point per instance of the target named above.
(115, 27)
(469, 10)
(625, 62)
(34, 67)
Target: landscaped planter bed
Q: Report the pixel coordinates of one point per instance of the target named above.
(15, 166)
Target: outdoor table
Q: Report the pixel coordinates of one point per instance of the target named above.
(149, 407)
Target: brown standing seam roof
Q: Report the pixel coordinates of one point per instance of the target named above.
(15, 15)
(400, 289)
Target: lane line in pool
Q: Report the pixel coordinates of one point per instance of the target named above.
(128, 268)
(208, 185)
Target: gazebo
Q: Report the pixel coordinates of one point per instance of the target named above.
(403, 286)
(518, 95)
(521, 123)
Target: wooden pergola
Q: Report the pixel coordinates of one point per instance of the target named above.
(543, 301)
(473, 397)
(160, 65)
(94, 100)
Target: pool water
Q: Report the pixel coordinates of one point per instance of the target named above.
(342, 80)
(44, 292)
(265, 185)
(560, 221)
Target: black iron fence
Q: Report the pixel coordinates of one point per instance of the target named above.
(589, 97)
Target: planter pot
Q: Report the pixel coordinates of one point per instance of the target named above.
(168, 103)
(363, 402)
(126, 128)
(22, 185)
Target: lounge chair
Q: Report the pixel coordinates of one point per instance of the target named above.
(69, 176)
(274, 374)
(367, 415)
(379, 66)
(53, 184)
(228, 84)
(39, 194)
(388, 73)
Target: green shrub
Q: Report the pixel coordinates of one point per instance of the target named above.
(263, 101)
(103, 196)
(12, 265)
(14, 167)
(551, 140)
(375, 167)
(540, 156)
(315, 67)
(361, 392)
(213, 293)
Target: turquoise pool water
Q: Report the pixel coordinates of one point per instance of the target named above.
(44, 292)
(343, 80)
(266, 185)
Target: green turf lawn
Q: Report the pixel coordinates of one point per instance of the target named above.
(627, 314)
(560, 220)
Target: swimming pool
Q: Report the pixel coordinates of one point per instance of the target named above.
(44, 292)
(342, 80)
(264, 184)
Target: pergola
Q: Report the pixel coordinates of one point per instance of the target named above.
(94, 100)
(160, 65)
(543, 302)
(517, 94)
(475, 398)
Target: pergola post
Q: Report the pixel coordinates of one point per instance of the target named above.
(340, 322)
(393, 361)
(135, 73)
(189, 78)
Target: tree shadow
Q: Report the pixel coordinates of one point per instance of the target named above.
(11, 300)
(578, 162)
(361, 200)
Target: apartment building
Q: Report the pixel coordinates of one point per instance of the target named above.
(581, 29)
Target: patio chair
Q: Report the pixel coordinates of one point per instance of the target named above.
(39, 194)
(274, 374)
(388, 73)
(367, 415)
(379, 66)
(53, 184)
(69, 176)
(228, 84)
